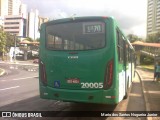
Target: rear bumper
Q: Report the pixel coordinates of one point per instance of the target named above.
(87, 96)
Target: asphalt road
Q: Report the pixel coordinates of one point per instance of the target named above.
(17, 84)
(19, 92)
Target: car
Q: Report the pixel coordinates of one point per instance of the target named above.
(36, 61)
(35, 53)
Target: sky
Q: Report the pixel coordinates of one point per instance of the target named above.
(130, 14)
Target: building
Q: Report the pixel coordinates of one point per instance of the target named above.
(14, 7)
(13, 16)
(153, 17)
(34, 23)
(15, 24)
(23, 10)
(10, 7)
(1, 21)
(42, 20)
(3, 8)
(15, 20)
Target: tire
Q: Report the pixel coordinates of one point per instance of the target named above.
(126, 95)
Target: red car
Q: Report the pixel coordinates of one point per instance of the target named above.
(36, 61)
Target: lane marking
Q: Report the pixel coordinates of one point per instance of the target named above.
(19, 79)
(135, 95)
(152, 92)
(9, 88)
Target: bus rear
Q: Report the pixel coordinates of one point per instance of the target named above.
(77, 60)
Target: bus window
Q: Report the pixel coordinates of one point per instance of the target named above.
(120, 43)
(66, 44)
(76, 36)
(50, 41)
(58, 42)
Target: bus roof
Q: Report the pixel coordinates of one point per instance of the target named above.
(63, 20)
(77, 19)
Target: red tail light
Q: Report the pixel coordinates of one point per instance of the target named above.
(43, 73)
(108, 75)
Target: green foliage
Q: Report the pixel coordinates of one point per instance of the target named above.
(154, 38)
(132, 38)
(29, 39)
(145, 60)
(9, 40)
(6, 41)
(38, 40)
(2, 40)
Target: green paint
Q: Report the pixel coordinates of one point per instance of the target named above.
(85, 64)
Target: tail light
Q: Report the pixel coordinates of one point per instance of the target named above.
(43, 73)
(108, 79)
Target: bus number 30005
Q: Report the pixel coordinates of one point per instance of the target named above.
(92, 85)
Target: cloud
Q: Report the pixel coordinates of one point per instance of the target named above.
(131, 15)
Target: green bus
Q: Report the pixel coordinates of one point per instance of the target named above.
(84, 59)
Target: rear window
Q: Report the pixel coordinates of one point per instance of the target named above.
(76, 36)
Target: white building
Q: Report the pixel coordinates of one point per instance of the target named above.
(15, 24)
(42, 20)
(9, 7)
(153, 17)
(15, 4)
(23, 10)
(3, 8)
(1, 21)
(33, 20)
(13, 17)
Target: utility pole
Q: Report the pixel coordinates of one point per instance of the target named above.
(14, 47)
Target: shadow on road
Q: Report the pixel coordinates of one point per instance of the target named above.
(136, 98)
(37, 104)
(152, 89)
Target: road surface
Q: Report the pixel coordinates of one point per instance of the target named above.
(19, 92)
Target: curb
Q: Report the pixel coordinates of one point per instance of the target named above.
(144, 95)
(31, 69)
(3, 72)
(17, 63)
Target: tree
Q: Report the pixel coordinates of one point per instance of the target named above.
(10, 40)
(2, 42)
(154, 38)
(132, 38)
(38, 39)
(29, 39)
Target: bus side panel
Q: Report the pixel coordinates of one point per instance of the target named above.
(120, 68)
(42, 56)
(111, 95)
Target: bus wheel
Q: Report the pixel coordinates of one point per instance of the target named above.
(126, 95)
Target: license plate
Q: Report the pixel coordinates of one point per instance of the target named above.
(73, 81)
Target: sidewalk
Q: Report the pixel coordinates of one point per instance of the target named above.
(27, 62)
(151, 91)
(17, 62)
(2, 71)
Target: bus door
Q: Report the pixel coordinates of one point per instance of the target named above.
(121, 65)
